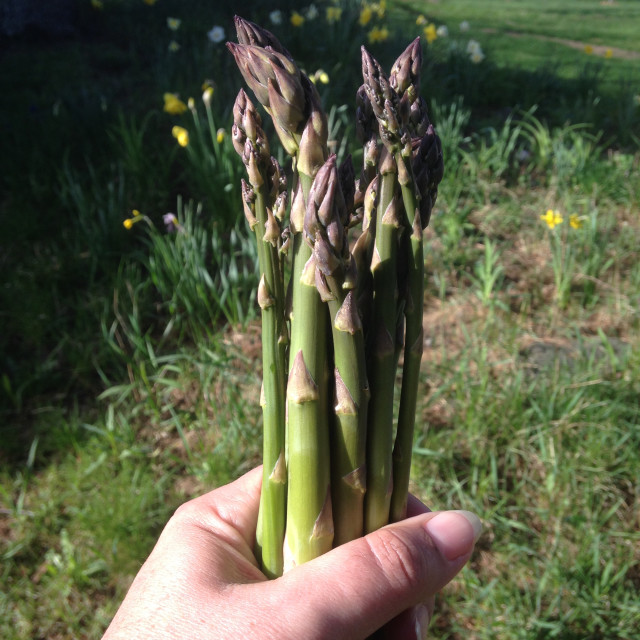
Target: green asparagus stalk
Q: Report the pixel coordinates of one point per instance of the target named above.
(327, 214)
(419, 196)
(383, 356)
(264, 192)
(291, 100)
(383, 362)
(310, 528)
(405, 80)
(343, 474)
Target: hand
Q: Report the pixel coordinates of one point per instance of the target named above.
(202, 580)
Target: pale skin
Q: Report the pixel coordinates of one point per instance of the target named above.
(202, 580)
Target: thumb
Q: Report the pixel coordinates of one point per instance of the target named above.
(356, 588)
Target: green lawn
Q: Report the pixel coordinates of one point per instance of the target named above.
(130, 357)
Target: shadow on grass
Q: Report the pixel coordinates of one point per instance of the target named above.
(66, 189)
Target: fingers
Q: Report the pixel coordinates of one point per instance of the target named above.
(234, 505)
(357, 588)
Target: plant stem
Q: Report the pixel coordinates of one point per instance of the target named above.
(348, 463)
(270, 536)
(382, 363)
(413, 347)
(309, 529)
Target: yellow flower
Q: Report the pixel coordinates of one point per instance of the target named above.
(150, 2)
(128, 223)
(575, 221)
(588, 49)
(420, 20)
(173, 104)
(207, 95)
(135, 213)
(319, 76)
(379, 8)
(174, 23)
(334, 14)
(181, 135)
(365, 15)
(220, 134)
(552, 218)
(97, 4)
(296, 19)
(378, 35)
(608, 53)
(174, 46)
(430, 33)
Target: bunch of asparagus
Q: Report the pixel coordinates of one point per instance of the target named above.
(333, 334)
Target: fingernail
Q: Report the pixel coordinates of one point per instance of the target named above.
(422, 621)
(454, 532)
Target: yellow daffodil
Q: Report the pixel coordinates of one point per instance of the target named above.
(551, 218)
(588, 49)
(378, 34)
(608, 53)
(174, 46)
(319, 76)
(220, 134)
(173, 104)
(136, 217)
(575, 221)
(181, 135)
(334, 14)
(379, 8)
(174, 23)
(420, 20)
(207, 94)
(365, 15)
(97, 4)
(430, 33)
(296, 19)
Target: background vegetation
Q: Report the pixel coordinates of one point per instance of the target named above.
(128, 355)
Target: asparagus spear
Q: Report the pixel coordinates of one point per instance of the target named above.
(327, 214)
(393, 198)
(292, 101)
(309, 507)
(265, 191)
(383, 358)
(425, 159)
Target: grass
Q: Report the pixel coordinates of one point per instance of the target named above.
(129, 355)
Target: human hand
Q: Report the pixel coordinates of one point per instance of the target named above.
(202, 579)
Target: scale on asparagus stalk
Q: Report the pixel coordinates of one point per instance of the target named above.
(336, 458)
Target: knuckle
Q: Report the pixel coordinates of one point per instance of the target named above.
(402, 563)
